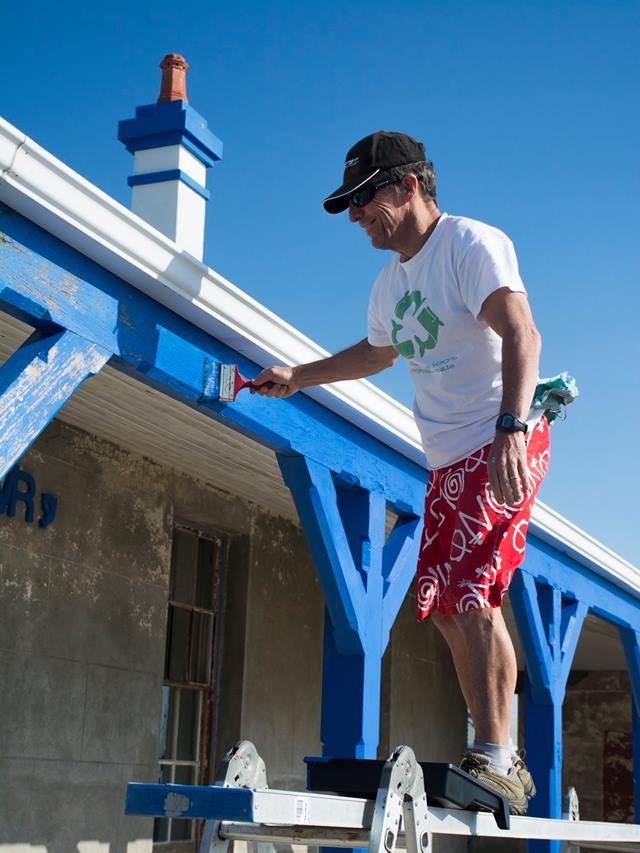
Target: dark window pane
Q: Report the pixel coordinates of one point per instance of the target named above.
(161, 829)
(188, 725)
(184, 559)
(201, 640)
(181, 830)
(206, 574)
(178, 644)
(185, 775)
(166, 773)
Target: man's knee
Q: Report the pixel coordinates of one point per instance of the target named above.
(472, 622)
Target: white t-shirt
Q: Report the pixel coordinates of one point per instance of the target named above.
(427, 308)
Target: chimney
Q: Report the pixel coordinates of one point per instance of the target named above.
(172, 149)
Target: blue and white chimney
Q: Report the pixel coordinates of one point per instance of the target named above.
(172, 149)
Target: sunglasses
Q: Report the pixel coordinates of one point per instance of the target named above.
(363, 195)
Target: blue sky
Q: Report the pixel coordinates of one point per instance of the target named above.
(528, 110)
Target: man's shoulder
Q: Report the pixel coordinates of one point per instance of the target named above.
(471, 230)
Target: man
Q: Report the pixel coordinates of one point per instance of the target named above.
(452, 304)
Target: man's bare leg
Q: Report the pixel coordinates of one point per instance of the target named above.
(485, 662)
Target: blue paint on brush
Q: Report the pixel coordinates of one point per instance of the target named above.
(210, 381)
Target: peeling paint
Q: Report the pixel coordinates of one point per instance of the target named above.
(175, 805)
(123, 317)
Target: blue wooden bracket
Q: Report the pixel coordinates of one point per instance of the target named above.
(36, 381)
(549, 626)
(314, 493)
(630, 639)
(364, 580)
(631, 644)
(399, 560)
(635, 746)
(362, 576)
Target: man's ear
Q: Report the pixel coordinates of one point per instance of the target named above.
(410, 184)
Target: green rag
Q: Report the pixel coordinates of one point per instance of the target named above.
(554, 394)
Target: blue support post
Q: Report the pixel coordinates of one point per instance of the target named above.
(543, 729)
(36, 381)
(350, 720)
(631, 644)
(549, 625)
(635, 758)
(364, 582)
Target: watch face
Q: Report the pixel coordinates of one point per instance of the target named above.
(510, 423)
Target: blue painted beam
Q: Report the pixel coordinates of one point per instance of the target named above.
(48, 284)
(35, 382)
(189, 801)
(602, 597)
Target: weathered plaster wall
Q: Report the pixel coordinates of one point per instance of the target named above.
(82, 643)
(283, 663)
(422, 700)
(597, 744)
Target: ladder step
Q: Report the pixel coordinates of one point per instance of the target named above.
(446, 785)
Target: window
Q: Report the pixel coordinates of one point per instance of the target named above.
(190, 667)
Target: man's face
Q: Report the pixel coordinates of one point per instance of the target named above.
(382, 218)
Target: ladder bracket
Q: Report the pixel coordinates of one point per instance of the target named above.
(401, 794)
(241, 767)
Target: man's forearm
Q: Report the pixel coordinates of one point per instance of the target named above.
(355, 362)
(520, 357)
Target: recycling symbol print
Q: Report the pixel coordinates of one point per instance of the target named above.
(413, 305)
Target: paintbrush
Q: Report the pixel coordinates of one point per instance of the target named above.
(223, 382)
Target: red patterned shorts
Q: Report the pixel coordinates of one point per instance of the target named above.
(471, 545)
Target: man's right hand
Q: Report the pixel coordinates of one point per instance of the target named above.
(275, 382)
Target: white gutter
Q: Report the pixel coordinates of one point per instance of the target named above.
(49, 193)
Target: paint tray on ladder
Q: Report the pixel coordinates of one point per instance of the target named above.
(446, 785)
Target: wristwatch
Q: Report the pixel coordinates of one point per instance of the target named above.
(510, 423)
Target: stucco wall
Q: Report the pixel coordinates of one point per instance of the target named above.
(597, 744)
(82, 644)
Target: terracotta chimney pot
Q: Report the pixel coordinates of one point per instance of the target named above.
(174, 79)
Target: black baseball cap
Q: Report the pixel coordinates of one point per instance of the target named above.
(375, 153)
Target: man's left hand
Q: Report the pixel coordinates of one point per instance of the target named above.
(507, 467)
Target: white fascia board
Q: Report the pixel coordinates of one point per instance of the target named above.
(49, 193)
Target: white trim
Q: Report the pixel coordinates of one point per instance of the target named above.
(45, 190)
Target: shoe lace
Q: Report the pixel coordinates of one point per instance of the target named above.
(470, 764)
(518, 759)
